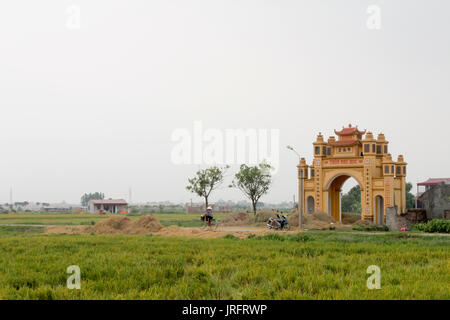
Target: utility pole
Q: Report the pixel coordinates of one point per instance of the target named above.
(417, 192)
(300, 210)
(300, 214)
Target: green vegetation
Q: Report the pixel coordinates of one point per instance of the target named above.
(205, 181)
(253, 181)
(370, 227)
(314, 265)
(6, 231)
(351, 201)
(91, 196)
(436, 225)
(410, 202)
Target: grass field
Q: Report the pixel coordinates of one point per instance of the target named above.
(312, 265)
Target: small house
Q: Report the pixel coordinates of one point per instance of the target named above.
(108, 206)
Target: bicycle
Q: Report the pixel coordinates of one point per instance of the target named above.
(214, 224)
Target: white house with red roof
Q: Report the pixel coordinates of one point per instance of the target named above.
(108, 206)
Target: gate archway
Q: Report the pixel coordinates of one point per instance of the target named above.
(334, 188)
(359, 155)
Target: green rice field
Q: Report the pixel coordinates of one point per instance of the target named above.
(308, 265)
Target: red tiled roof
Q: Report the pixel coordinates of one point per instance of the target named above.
(349, 131)
(110, 202)
(433, 181)
(343, 143)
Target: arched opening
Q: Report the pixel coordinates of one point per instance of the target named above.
(310, 205)
(378, 217)
(343, 199)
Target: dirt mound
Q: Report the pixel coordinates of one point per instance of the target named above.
(264, 215)
(350, 218)
(321, 216)
(237, 219)
(317, 221)
(145, 224)
(363, 222)
(68, 230)
(113, 225)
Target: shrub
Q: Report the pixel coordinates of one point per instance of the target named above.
(370, 227)
(420, 226)
(436, 225)
(230, 236)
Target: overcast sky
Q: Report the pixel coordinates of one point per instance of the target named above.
(94, 108)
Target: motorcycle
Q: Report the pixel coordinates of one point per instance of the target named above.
(278, 223)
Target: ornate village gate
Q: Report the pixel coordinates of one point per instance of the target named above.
(367, 160)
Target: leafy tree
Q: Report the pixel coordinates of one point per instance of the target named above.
(205, 181)
(351, 201)
(253, 181)
(91, 196)
(410, 201)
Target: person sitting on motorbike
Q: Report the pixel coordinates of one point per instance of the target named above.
(209, 216)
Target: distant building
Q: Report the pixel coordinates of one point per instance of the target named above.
(108, 206)
(436, 198)
(432, 182)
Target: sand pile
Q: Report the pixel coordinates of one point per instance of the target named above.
(264, 215)
(363, 222)
(68, 230)
(114, 225)
(316, 221)
(145, 224)
(237, 219)
(350, 218)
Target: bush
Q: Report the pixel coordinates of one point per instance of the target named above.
(231, 237)
(370, 227)
(419, 226)
(436, 225)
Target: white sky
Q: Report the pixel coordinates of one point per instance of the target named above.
(93, 109)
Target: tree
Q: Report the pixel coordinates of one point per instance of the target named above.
(351, 201)
(91, 196)
(205, 181)
(410, 201)
(253, 181)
